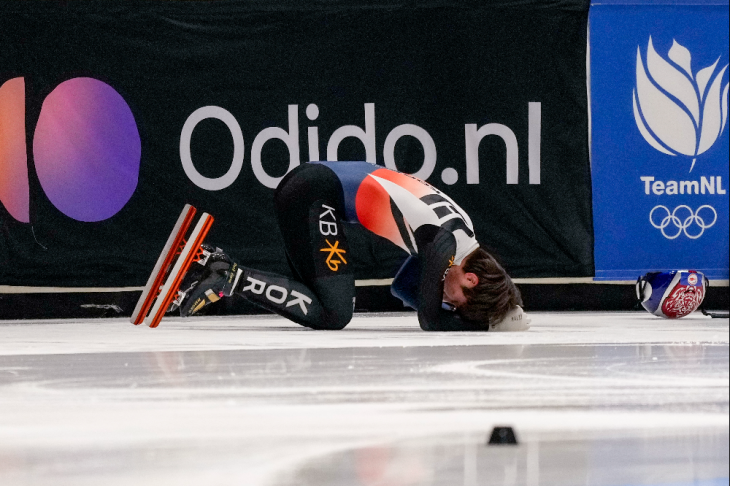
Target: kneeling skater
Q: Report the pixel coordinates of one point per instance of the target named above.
(453, 283)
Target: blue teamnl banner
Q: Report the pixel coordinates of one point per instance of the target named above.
(659, 137)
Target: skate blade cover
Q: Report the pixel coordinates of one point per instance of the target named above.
(183, 247)
(515, 320)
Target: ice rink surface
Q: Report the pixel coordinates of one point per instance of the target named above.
(593, 399)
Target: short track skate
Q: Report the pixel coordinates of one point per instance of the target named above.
(180, 251)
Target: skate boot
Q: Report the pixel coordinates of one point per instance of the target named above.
(209, 279)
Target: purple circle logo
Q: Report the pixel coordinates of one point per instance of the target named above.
(87, 150)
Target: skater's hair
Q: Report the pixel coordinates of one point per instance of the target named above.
(494, 295)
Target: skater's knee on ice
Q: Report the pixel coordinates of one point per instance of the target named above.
(338, 323)
(332, 318)
(340, 316)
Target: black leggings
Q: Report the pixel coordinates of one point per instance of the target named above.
(309, 205)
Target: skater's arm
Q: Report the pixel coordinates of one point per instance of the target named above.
(435, 258)
(405, 283)
(405, 286)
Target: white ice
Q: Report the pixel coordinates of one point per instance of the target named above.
(593, 398)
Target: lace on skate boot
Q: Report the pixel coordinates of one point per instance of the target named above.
(216, 280)
(195, 274)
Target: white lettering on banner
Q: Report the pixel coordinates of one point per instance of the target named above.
(313, 133)
(429, 149)
(472, 137)
(366, 135)
(713, 185)
(187, 162)
(259, 286)
(290, 138)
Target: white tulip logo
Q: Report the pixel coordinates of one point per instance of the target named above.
(676, 111)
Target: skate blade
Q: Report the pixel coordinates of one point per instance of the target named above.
(163, 264)
(187, 256)
(175, 259)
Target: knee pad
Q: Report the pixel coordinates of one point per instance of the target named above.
(671, 294)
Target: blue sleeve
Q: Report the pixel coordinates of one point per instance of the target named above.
(405, 283)
(419, 284)
(436, 257)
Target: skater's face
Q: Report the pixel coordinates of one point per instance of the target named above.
(454, 284)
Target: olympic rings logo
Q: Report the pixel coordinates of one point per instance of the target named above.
(682, 218)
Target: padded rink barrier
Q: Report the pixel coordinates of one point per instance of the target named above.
(537, 297)
(227, 97)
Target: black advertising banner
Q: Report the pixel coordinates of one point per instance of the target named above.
(114, 115)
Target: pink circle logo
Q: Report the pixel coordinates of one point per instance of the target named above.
(86, 148)
(13, 156)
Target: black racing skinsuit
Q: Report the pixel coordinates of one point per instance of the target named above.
(311, 203)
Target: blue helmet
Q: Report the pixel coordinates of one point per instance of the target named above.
(672, 294)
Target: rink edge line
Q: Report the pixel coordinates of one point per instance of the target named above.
(10, 289)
